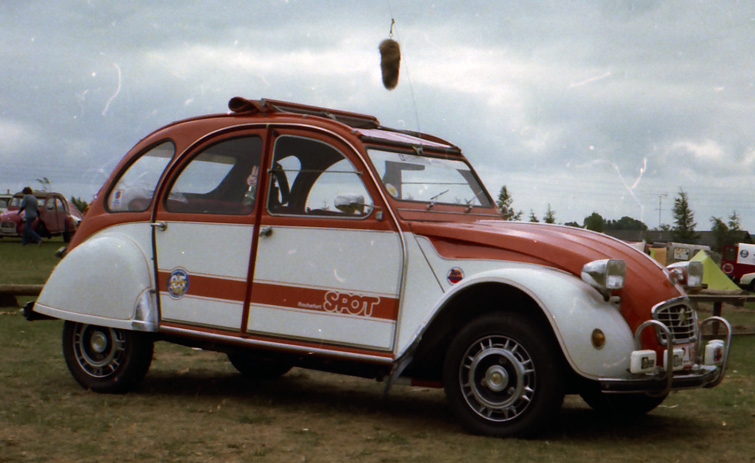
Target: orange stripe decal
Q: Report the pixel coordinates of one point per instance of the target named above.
(206, 286)
(334, 301)
(325, 300)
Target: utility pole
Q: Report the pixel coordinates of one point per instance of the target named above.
(660, 208)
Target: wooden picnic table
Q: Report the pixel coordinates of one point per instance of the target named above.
(720, 296)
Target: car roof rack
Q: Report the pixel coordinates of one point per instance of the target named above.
(355, 120)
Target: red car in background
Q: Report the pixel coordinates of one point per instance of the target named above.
(57, 216)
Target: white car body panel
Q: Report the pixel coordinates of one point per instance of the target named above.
(213, 251)
(319, 268)
(101, 281)
(573, 308)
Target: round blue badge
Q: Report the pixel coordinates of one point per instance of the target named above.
(178, 283)
(455, 275)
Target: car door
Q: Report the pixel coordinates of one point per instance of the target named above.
(204, 227)
(49, 215)
(328, 262)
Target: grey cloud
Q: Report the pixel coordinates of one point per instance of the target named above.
(545, 94)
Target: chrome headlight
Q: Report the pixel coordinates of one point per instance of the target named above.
(688, 274)
(605, 275)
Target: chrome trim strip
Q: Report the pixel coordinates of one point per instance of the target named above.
(434, 211)
(277, 345)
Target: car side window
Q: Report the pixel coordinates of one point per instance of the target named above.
(60, 206)
(134, 190)
(221, 179)
(312, 178)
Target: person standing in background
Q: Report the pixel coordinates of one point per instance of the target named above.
(29, 204)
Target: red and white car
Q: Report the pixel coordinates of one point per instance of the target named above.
(289, 235)
(57, 216)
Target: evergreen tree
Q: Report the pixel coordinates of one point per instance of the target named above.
(626, 223)
(683, 230)
(533, 217)
(550, 215)
(595, 222)
(80, 204)
(725, 233)
(734, 223)
(504, 204)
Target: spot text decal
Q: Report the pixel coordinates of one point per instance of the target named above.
(347, 303)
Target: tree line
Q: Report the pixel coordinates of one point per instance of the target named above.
(682, 230)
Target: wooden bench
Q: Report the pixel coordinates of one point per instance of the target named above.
(8, 293)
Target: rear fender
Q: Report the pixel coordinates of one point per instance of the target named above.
(105, 281)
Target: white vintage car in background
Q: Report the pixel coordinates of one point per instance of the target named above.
(288, 235)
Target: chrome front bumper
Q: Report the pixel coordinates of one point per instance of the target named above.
(707, 371)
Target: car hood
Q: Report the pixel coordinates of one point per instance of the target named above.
(560, 247)
(10, 215)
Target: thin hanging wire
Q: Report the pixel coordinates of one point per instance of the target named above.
(406, 67)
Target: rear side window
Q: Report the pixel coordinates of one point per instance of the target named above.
(221, 179)
(135, 188)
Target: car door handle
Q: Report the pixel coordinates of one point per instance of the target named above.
(162, 226)
(266, 230)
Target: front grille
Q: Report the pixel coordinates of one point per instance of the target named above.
(8, 228)
(679, 318)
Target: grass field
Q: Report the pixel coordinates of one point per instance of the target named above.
(193, 407)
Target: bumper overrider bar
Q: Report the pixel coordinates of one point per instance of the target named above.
(647, 377)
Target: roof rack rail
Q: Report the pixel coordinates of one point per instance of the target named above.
(355, 120)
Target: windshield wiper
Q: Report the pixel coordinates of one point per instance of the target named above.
(469, 203)
(432, 200)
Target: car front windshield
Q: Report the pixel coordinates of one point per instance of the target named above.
(432, 180)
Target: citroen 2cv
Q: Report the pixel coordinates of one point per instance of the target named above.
(289, 235)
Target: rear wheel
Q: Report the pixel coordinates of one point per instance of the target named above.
(106, 359)
(503, 376)
(258, 367)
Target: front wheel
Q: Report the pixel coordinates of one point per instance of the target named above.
(503, 376)
(106, 359)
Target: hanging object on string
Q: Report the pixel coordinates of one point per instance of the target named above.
(390, 60)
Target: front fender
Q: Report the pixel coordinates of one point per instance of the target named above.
(573, 309)
(104, 281)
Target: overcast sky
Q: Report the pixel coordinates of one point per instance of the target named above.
(604, 106)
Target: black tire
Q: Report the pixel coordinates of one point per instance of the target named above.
(258, 367)
(621, 405)
(503, 376)
(106, 359)
(67, 235)
(42, 230)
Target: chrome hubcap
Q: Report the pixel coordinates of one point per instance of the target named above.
(99, 351)
(497, 378)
